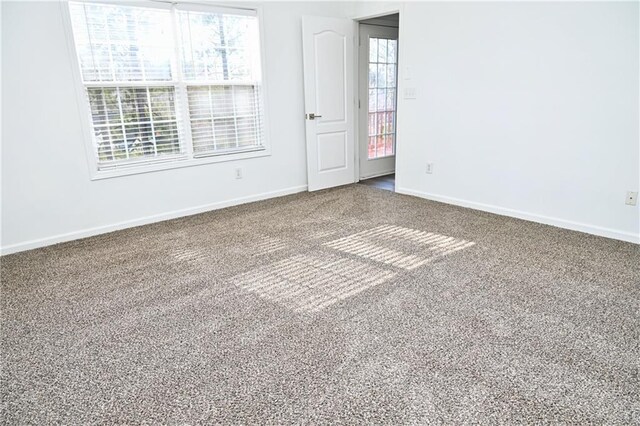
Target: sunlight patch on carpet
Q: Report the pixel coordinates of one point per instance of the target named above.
(266, 245)
(312, 282)
(400, 247)
(186, 254)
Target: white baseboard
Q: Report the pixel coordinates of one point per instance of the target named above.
(574, 226)
(75, 235)
(560, 223)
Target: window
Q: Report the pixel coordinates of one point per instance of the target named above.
(169, 83)
(382, 97)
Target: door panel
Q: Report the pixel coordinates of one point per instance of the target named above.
(330, 49)
(378, 66)
(332, 151)
(328, 91)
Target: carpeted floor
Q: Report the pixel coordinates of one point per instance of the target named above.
(351, 305)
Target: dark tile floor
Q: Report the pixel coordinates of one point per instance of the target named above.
(387, 182)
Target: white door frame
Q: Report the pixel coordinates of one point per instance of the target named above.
(400, 74)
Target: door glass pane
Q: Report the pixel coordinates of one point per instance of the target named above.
(372, 129)
(389, 145)
(382, 51)
(371, 152)
(391, 51)
(382, 97)
(391, 75)
(382, 75)
(391, 99)
(373, 76)
(373, 50)
(372, 100)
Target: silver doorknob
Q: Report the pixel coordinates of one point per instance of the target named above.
(312, 116)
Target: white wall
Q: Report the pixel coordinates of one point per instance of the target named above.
(47, 194)
(525, 109)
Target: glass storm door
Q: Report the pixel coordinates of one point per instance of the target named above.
(378, 67)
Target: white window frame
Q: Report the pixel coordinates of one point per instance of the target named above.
(188, 160)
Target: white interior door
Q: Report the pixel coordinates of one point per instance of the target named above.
(329, 100)
(378, 66)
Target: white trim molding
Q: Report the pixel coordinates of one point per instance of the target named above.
(532, 217)
(98, 230)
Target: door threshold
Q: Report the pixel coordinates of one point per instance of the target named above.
(386, 182)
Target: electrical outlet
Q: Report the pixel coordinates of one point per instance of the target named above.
(429, 168)
(632, 198)
(238, 173)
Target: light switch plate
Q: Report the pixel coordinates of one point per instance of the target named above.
(410, 93)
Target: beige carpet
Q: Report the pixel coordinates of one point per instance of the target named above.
(352, 305)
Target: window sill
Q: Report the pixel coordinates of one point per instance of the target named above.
(178, 164)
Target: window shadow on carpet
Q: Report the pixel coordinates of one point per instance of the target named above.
(400, 247)
(312, 282)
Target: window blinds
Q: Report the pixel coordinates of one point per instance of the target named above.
(169, 83)
(221, 63)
